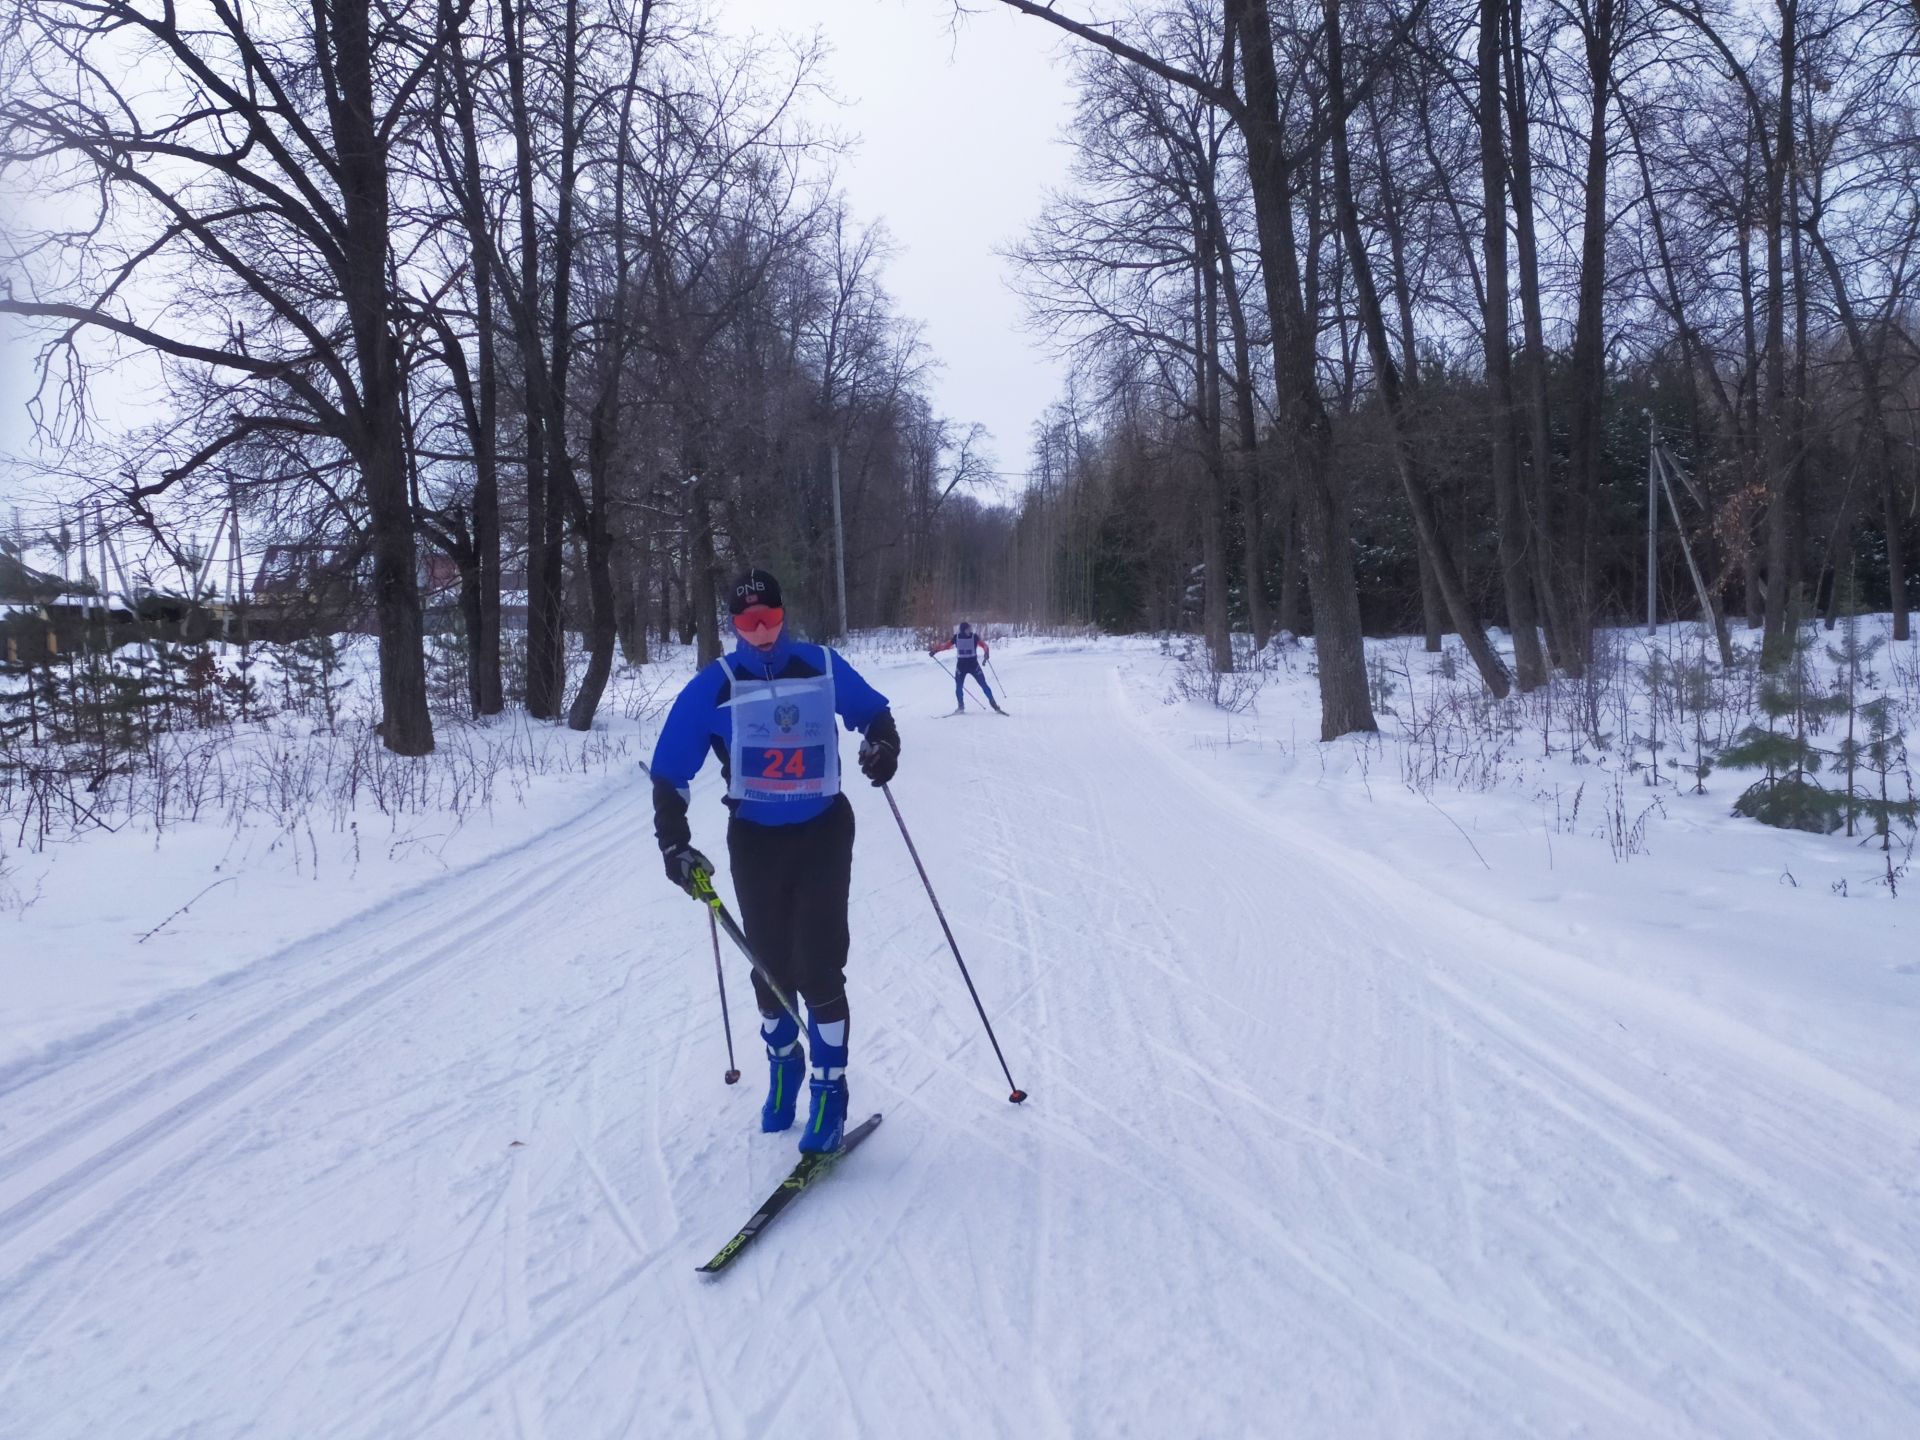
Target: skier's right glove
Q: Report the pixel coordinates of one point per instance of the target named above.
(683, 862)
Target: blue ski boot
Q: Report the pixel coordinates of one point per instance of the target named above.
(827, 1103)
(786, 1064)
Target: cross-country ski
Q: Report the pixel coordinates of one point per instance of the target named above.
(807, 1171)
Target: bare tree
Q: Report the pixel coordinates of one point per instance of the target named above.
(1345, 703)
(251, 163)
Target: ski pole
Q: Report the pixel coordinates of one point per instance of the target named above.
(1017, 1094)
(996, 673)
(703, 891)
(959, 685)
(726, 1020)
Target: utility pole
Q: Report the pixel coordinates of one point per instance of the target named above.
(839, 537)
(100, 542)
(86, 576)
(236, 569)
(111, 549)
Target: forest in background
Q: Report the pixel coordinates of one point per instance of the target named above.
(1378, 314)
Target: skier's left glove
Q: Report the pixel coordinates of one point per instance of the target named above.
(878, 761)
(683, 862)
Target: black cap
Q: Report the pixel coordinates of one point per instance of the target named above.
(756, 587)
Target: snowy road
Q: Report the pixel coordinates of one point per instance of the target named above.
(1310, 1152)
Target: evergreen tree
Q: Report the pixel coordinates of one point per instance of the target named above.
(1695, 683)
(1788, 796)
(1881, 760)
(310, 677)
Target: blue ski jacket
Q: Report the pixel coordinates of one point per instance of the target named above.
(701, 723)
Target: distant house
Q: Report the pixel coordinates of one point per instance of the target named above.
(305, 588)
(439, 578)
(304, 568)
(43, 616)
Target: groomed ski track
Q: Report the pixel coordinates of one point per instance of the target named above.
(1310, 1152)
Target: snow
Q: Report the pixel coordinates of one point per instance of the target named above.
(1355, 1110)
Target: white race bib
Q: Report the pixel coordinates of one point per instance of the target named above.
(786, 743)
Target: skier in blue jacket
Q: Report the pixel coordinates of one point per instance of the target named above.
(769, 711)
(969, 650)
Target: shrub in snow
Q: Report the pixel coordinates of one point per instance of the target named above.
(1195, 678)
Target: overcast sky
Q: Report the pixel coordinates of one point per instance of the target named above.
(957, 138)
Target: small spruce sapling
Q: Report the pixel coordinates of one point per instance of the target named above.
(1696, 690)
(1787, 795)
(1658, 676)
(310, 672)
(1883, 756)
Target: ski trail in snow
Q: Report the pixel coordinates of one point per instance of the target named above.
(67, 1148)
(1309, 1151)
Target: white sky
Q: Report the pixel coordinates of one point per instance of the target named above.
(958, 135)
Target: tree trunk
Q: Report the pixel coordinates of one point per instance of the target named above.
(1588, 367)
(1493, 670)
(1530, 663)
(1781, 465)
(546, 637)
(484, 687)
(1433, 605)
(636, 577)
(470, 621)
(407, 728)
(600, 624)
(703, 580)
(1752, 462)
(1287, 619)
(1345, 702)
(1895, 519)
(1549, 583)
(563, 484)
(1206, 374)
(602, 595)
(1797, 402)
(1247, 422)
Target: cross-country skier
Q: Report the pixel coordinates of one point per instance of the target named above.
(768, 710)
(968, 651)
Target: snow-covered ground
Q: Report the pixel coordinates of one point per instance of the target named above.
(1355, 1111)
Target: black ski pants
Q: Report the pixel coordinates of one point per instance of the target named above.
(793, 882)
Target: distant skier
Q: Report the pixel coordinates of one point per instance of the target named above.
(768, 711)
(968, 651)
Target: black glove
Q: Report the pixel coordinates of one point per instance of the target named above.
(878, 761)
(682, 861)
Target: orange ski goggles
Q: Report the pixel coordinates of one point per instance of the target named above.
(759, 621)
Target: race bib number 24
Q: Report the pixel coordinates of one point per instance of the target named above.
(787, 763)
